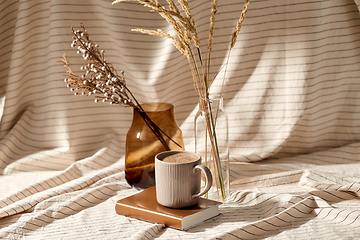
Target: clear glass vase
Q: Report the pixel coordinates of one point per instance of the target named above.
(142, 144)
(212, 143)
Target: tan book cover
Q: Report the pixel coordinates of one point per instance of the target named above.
(143, 205)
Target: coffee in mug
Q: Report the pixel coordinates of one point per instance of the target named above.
(178, 178)
(181, 157)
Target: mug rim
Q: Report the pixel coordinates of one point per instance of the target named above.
(175, 152)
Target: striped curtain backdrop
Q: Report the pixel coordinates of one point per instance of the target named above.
(291, 91)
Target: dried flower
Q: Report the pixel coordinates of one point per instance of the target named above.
(239, 23)
(212, 23)
(183, 25)
(99, 78)
(102, 80)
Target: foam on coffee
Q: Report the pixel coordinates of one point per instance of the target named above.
(180, 158)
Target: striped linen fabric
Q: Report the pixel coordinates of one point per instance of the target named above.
(292, 94)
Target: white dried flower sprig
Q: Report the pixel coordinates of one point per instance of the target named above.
(100, 79)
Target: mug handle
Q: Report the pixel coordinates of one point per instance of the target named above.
(208, 177)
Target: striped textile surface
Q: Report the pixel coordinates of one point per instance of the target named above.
(291, 93)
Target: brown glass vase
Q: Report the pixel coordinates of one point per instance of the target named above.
(142, 144)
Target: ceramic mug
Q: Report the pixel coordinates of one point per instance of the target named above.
(178, 178)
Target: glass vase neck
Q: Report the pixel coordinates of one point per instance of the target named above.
(210, 103)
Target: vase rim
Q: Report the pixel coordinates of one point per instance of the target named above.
(156, 106)
(214, 96)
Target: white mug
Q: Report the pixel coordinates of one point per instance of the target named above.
(178, 184)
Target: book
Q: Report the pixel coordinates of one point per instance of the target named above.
(143, 206)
